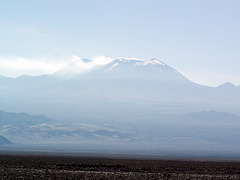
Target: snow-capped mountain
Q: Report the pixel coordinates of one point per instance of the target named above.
(119, 90)
(121, 68)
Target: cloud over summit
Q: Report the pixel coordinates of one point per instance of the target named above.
(16, 66)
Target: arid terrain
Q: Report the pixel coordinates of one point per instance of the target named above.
(69, 167)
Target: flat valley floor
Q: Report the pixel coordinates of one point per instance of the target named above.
(70, 167)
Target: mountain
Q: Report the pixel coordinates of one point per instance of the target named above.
(138, 69)
(122, 68)
(123, 90)
(24, 128)
(21, 119)
(227, 85)
(194, 129)
(133, 78)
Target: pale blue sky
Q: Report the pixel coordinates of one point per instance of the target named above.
(199, 38)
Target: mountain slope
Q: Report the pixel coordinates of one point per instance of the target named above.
(136, 79)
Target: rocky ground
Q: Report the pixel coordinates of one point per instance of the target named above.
(60, 167)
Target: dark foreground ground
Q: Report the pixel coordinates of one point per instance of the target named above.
(59, 167)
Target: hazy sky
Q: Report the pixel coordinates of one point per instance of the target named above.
(199, 38)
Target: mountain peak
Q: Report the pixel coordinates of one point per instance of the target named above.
(227, 85)
(122, 67)
(154, 62)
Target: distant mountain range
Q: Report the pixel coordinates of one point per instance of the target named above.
(126, 99)
(25, 129)
(199, 128)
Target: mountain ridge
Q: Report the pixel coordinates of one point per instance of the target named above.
(77, 70)
(24, 128)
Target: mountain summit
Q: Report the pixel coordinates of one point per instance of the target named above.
(120, 68)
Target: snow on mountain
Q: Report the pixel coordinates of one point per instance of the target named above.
(117, 68)
(138, 68)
